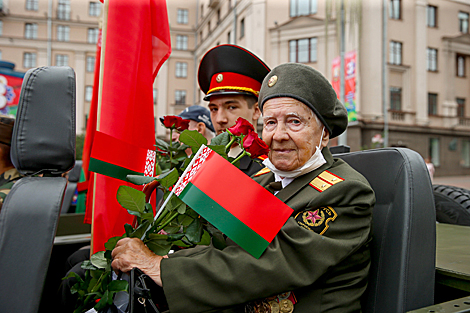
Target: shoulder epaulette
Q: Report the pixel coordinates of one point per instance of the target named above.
(262, 172)
(325, 180)
(262, 157)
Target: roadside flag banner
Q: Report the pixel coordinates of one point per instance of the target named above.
(117, 159)
(135, 43)
(238, 206)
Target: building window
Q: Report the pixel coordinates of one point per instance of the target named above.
(94, 9)
(209, 27)
(460, 107)
(463, 22)
(431, 16)
(242, 28)
(180, 96)
(303, 50)
(63, 10)
(434, 151)
(32, 5)
(395, 9)
(229, 34)
(93, 35)
(155, 96)
(395, 98)
(202, 10)
(432, 60)
(90, 63)
(63, 33)
(395, 52)
(182, 16)
(432, 103)
(302, 7)
(1, 55)
(218, 16)
(200, 36)
(61, 60)
(460, 66)
(29, 59)
(88, 93)
(31, 31)
(182, 42)
(465, 153)
(1, 28)
(181, 69)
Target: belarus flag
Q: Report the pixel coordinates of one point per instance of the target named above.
(234, 203)
(115, 158)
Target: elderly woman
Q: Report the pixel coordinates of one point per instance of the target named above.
(320, 259)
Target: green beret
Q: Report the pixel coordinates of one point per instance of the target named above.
(309, 86)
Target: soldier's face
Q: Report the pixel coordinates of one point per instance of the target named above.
(291, 132)
(225, 110)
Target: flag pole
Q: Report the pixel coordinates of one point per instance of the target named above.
(176, 186)
(100, 92)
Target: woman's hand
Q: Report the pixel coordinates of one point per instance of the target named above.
(132, 252)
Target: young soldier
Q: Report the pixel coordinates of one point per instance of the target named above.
(231, 78)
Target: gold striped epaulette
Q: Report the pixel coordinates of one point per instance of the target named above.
(325, 180)
(262, 157)
(262, 172)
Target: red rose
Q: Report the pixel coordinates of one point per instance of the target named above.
(170, 121)
(254, 145)
(241, 127)
(182, 124)
(173, 121)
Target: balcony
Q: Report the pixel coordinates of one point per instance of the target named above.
(401, 117)
(464, 121)
(397, 115)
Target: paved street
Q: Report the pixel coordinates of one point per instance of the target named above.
(458, 181)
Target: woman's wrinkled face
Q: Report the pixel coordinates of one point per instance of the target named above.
(291, 132)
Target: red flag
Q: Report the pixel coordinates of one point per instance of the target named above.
(136, 43)
(115, 158)
(239, 207)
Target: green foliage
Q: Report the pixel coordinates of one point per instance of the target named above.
(178, 226)
(79, 143)
(193, 139)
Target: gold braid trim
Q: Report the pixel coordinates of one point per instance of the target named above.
(234, 88)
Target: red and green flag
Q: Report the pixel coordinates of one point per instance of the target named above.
(238, 206)
(135, 43)
(116, 158)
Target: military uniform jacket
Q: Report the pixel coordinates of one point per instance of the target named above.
(7, 180)
(321, 254)
(248, 166)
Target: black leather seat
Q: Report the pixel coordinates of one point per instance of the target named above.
(404, 230)
(43, 143)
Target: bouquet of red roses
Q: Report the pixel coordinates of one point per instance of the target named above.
(175, 226)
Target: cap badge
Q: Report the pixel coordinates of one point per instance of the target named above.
(272, 81)
(219, 78)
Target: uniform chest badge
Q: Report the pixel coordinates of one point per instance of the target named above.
(316, 220)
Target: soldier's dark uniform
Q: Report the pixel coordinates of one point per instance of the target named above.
(320, 259)
(232, 70)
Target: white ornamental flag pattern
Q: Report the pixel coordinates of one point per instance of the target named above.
(194, 168)
(150, 163)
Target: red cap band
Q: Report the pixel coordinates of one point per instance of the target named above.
(234, 81)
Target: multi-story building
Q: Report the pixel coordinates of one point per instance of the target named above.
(417, 71)
(413, 63)
(53, 32)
